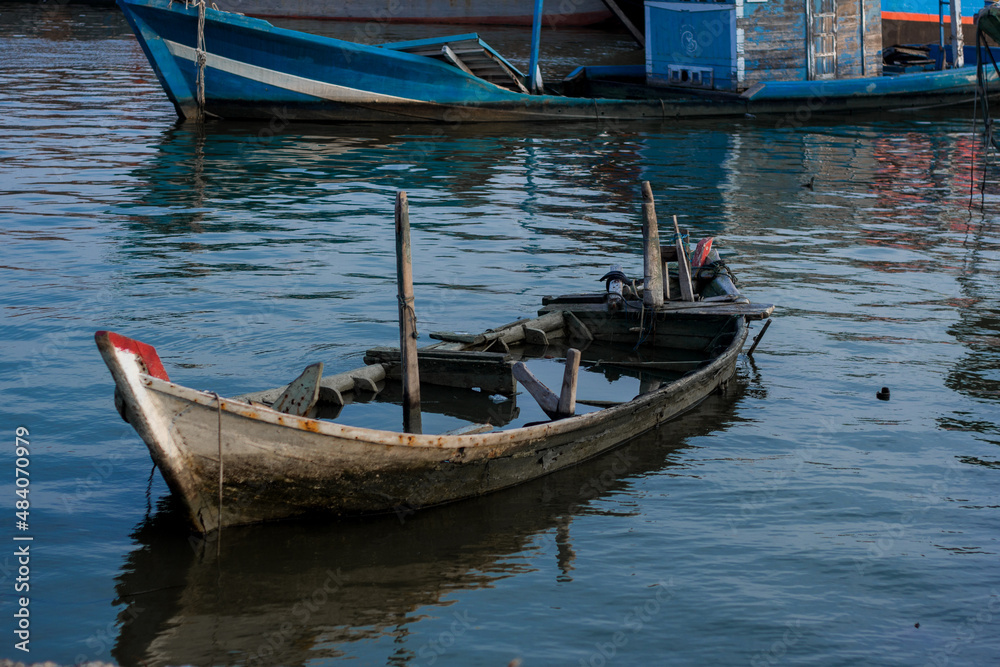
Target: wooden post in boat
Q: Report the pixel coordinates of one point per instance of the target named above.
(652, 296)
(556, 407)
(683, 267)
(407, 318)
(567, 396)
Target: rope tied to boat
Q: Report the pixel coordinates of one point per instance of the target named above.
(200, 81)
(201, 56)
(718, 267)
(407, 309)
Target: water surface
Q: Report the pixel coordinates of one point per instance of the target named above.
(796, 519)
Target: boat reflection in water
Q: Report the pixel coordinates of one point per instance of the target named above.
(292, 592)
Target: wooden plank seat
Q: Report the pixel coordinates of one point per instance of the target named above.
(470, 54)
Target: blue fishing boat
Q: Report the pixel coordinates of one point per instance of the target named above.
(703, 59)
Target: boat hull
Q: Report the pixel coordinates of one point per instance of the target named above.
(275, 465)
(481, 12)
(254, 70)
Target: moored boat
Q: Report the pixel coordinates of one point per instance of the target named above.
(272, 454)
(723, 65)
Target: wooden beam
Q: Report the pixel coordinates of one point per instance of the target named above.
(547, 400)
(567, 397)
(683, 267)
(514, 76)
(551, 323)
(452, 337)
(637, 34)
(752, 311)
(579, 334)
(407, 318)
(453, 58)
(331, 389)
(556, 407)
(534, 336)
(652, 296)
(364, 384)
(757, 338)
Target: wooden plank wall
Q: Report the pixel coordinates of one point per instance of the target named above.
(774, 40)
(849, 38)
(873, 38)
(775, 33)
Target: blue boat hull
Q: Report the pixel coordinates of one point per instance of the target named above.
(254, 70)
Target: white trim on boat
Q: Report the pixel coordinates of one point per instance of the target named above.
(298, 84)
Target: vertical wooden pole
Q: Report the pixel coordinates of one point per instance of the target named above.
(957, 38)
(567, 396)
(666, 278)
(683, 267)
(652, 296)
(407, 318)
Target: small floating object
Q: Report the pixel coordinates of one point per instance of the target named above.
(810, 183)
(882, 394)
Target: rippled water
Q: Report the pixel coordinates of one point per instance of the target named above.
(795, 520)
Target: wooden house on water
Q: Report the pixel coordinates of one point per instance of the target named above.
(732, 46)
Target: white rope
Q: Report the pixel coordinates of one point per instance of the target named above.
(200, 56)
(201, 61)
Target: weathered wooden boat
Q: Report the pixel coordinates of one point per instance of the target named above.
(215, 64)
(270, 455)
(179, 605)
(482, 12)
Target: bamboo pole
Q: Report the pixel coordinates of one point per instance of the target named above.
(652, 295)
(757, 338)
(407, 318)
(683, 267)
